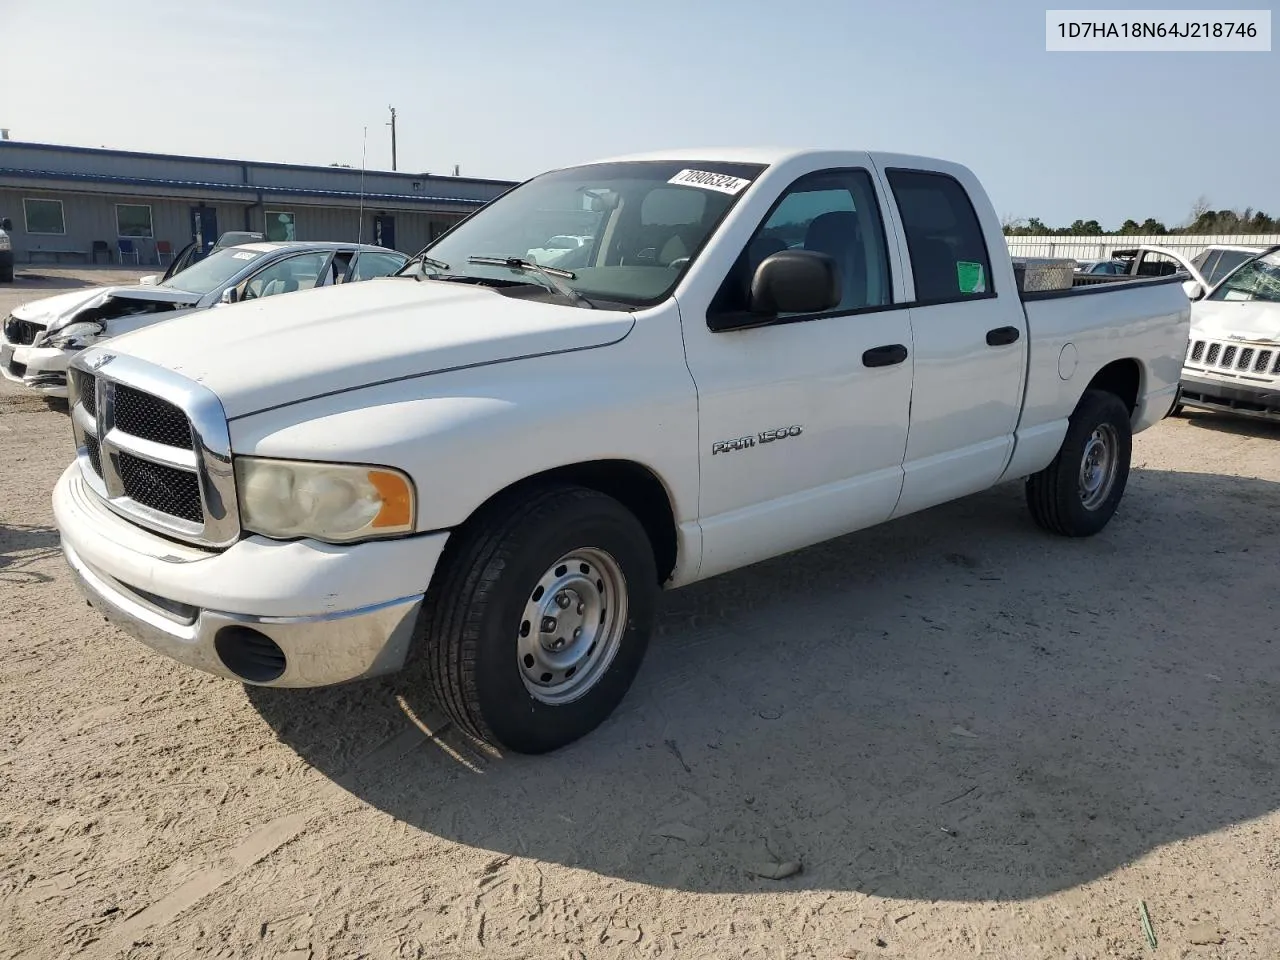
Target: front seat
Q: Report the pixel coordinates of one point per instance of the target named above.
(839, 235)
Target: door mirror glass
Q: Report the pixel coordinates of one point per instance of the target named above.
(228, 295)
(1193, 289)
(795, 281)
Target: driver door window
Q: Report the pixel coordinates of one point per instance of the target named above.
(285, 276)
(832, 212)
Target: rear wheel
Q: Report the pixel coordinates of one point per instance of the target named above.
(1077, 494)
(536, 628)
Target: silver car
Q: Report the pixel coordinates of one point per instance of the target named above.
(40, 338)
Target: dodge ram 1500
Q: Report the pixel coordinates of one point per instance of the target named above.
(490, 467)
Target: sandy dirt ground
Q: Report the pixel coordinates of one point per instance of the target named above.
(978, 741)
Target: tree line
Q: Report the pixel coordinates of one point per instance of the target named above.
(1203, 220)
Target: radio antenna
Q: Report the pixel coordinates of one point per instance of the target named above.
(364, 151)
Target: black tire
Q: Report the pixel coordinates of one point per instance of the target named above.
(1176, 410)
(1057, 495)
(468, 633)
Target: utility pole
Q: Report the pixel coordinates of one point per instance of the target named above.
(392, 125)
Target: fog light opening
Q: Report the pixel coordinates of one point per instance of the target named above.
(250, 655)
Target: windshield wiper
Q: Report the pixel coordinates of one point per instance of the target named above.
(426, 261)
(548, 275)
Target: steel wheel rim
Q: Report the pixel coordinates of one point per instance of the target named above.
(572, 626)
(1098, 466)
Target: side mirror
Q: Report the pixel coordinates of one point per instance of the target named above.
(795, 281)
(228, 295)
(1193, 289)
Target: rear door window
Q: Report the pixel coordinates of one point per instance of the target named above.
(370, 265)
(949, 259)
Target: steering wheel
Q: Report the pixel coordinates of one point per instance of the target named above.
(678, 262)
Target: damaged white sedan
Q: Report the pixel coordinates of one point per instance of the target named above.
(39, 338)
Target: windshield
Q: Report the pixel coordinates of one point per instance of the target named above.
(641, 225)
(213, 272)
(1256, 280)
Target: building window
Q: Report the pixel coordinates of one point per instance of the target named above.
(44, 216)
(279, 226)
(133, 220)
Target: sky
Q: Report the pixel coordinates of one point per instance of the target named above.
(507, 89)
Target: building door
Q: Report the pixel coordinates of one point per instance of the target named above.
(384, 231)
(204, 228)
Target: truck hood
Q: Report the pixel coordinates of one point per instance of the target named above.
(1247, 319)
(286, 349)
(58, 311)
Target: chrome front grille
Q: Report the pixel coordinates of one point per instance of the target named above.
(1234, 358)
(82, 383)
(154, 446)
(142, 415)
(169, 490)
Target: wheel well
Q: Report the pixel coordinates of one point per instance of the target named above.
(1120, 377)
(632, 485)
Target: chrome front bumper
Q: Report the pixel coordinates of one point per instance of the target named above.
(318, 650)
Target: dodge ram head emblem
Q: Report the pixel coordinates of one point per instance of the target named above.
(764, 436)
(100, 361)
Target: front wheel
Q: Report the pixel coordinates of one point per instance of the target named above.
(1077, 494)
(536, 627)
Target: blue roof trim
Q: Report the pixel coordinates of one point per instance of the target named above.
(98, 151)
(231, 187)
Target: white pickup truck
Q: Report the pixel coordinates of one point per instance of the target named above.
(490, 468)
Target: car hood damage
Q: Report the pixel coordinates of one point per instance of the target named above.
(1253, 320)
(102, 305)
(283, 350)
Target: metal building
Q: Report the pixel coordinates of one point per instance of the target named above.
(83, 204)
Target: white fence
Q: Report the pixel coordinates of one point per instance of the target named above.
(1100, 247)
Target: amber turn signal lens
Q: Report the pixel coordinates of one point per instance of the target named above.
(397, 499)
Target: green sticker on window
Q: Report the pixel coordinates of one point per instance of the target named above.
(970, 277)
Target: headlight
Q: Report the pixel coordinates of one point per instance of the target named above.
(74, 336)
(328, 501)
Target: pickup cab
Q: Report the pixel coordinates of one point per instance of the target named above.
(486, 470)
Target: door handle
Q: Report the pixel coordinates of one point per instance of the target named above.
(885, 356)
(1002, 336)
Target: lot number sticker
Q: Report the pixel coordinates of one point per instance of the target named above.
(970, 277)
(721, 182)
